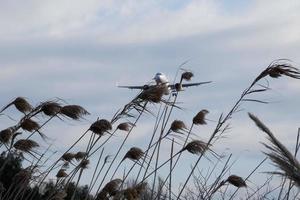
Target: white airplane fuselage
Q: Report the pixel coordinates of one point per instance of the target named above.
(161, 79)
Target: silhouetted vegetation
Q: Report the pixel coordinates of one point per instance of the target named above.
(46, 178)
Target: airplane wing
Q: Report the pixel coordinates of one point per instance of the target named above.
(189, 84)
(131, 87)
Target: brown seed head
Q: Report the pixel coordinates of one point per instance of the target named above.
(80, 155)
(61, 173)
(199, 119)
(125, 126)
(277, 69)
(134, 154)
(22, 105)
(30, 125)
(131, 194)
(25, 145)
(6, 135)
(84, 163)
(236, 181)
(187, 76)
(75, 112)
(112, 187)
(68, 157)
(196, 147)
(140, 188)
(154, 94)
(50, 108)
(101, 126)
(177, 125)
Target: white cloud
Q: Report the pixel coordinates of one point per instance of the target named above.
(142, 21)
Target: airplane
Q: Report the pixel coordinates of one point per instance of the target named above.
(161, 79)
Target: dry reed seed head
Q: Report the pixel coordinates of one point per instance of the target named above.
(6, 135)
(177, 125)
(126, 126)
(84, 163)
(154, 94)
(22, 105)
(131, 194)
(29, 125)
(187, 76)
(61, 173)
(80, 155)
(101, 126)
(278, 69)
(199, 119)
(141, 188)
(51, 108)
(134, 154)
(25, 145)
(237, 181)
(68, 157)
(112, 187)
(75, 112)
(196, 147)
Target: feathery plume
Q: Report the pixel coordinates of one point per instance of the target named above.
(21, 104)
(177, 125)
(187, 76)
(25, 145)
(196, 147)
(134, 154)
(61, 173)
(51, 108)
(100, 127)
(111, 188)
(84, 163)
(80, 155)
(126, 126)
(75, 112)
(280, 155)
(236, 181)
(6, 135)
(154, 94)
(68, 157)
(199, 119)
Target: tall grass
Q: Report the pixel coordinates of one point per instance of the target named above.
(145, 178)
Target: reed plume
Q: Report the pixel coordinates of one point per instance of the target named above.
(199, 119)
(25, 145)
(279, 154)
(6, 135)
(100, 127)
(187, 76)
(195, 147)
(51, 108)
(237, 181)
(75, 112)
(126, 126)
(21, 105)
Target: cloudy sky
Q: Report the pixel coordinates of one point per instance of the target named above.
(79, 50)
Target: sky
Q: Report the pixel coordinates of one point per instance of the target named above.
(80, 50)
